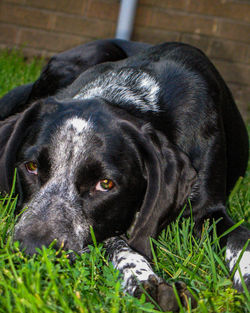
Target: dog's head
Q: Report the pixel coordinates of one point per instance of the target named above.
(85, 164)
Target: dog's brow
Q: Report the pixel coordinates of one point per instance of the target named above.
(79, 124)
(31, 153)
(70, 142)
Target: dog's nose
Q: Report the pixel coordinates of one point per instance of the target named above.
(29, 241)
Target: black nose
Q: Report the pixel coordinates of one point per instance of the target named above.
(31, 240)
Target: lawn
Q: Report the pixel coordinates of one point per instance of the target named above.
(46, 283)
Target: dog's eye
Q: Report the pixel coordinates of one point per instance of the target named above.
(31, 167)
(105, 185)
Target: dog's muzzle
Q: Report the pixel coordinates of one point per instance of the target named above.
(52, 219)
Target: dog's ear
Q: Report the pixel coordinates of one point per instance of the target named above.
(12, 133)
(15, 101)
(169, 176)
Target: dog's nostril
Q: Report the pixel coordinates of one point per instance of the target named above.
(30, 241)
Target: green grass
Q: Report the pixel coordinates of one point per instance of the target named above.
(46, 283)
(16, 71)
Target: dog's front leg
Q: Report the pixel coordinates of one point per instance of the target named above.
(138, 276)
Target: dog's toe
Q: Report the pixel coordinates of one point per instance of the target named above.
(185, 294)
(166, 298)
(164, 295)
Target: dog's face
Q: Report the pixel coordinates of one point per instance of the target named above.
(86, 163)
(78, 171)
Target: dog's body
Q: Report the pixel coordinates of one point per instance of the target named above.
(127, 128)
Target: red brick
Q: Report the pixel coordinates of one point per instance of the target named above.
(244, 111)
(241, 96)
(14, 1)
(236, 90)
(245, 96)
(201, 42)
(85, 27)
(49, 41)
(143, 16)
(233, 72)
(152, 35)
(4, 46)
(8, 33)
(230, 9)
(68, 6)
(23, 16)
(29, 52)
(184, 23)
(229, 50)
(244, 103)
(166, 4)
(103, 10)
(248, 55)
(234, 31)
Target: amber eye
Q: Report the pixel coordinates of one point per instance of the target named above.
(31, 167)
(105, 185)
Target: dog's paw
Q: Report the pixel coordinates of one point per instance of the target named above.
(163, 294)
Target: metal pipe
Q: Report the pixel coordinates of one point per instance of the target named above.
(126, 19)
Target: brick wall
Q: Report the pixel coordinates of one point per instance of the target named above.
(221, 28)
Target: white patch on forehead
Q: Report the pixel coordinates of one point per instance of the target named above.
(74, 131)
(69, 146)
(126, 88)
(79, 124)
(244, 264)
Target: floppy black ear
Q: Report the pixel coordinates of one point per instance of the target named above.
(170, 177)
(12, 132)
(15, 101)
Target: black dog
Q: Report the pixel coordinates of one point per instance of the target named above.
(119, 135)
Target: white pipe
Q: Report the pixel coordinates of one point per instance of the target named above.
(126, 19)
